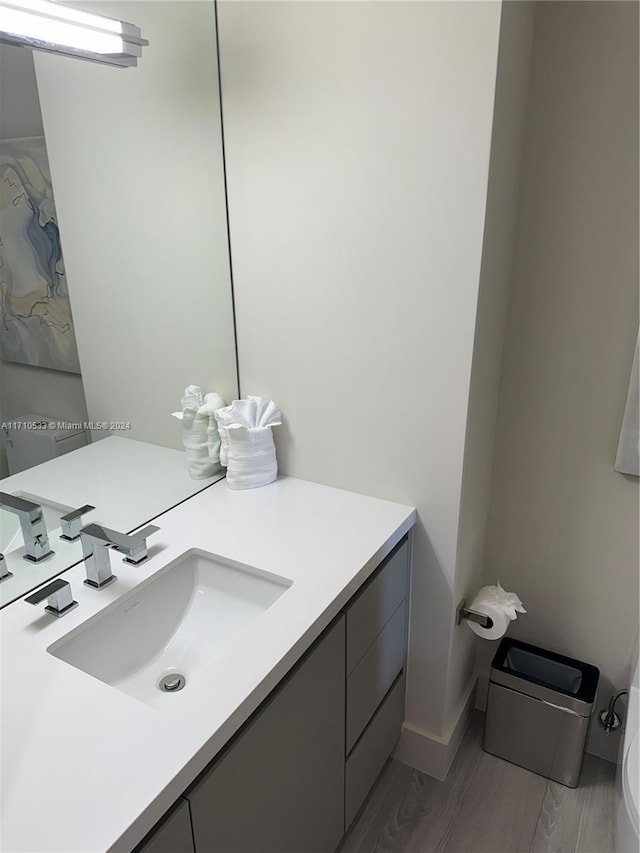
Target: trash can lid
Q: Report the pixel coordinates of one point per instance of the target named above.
(516, 662)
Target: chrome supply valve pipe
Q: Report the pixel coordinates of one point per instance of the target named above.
(608, 718)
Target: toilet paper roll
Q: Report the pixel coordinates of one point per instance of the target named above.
(500, 620)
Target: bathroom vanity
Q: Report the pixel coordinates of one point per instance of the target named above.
(284, 718)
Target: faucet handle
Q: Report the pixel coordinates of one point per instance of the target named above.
(135, 550)
(141, 535)
(59, 597)
(18, 504)
(5, 574)
(71, 523)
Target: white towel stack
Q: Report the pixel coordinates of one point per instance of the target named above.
(200, 432)
(247, 447)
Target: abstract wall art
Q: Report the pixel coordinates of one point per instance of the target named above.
(36, 326)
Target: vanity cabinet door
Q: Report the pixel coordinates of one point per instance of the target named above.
(279, 786)
(172, 834)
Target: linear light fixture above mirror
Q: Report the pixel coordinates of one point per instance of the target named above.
(56, 28)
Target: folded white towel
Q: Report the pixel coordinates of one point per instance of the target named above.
(247, 447)
(250, 413)
(200, 432)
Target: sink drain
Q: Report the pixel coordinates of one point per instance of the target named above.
(172, 683)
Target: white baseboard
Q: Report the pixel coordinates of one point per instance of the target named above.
(431, 754)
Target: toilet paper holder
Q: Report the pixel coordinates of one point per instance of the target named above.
(463, 612)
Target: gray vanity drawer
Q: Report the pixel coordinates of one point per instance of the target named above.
(373, 607)
(372, 750)
(374, 674)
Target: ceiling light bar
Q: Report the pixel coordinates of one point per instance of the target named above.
(56, 28)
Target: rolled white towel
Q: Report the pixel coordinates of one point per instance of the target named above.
(251, 458)
(212, 402)
(199, 432)
(247, 446)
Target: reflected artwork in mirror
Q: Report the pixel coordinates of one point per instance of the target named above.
(35, 313)
(135, 160)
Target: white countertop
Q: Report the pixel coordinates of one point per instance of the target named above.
(129, 482)
(85, 767)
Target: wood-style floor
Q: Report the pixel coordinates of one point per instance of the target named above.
(486, 805)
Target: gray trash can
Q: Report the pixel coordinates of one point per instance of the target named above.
(538, 710)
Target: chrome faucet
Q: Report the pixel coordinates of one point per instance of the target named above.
(96, 541)
(34, 529)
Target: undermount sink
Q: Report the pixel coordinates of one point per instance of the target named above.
(161, 635)
(10, 534)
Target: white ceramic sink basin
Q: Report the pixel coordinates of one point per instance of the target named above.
(10, 535)
(176, 622)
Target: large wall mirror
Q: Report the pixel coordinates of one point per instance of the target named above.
(139, 305)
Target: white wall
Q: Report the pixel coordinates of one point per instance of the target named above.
(563, 528)
(136, 163)
(510, 110)
(358, 140)
(24, 388)
(27, 389)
